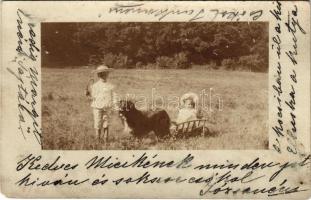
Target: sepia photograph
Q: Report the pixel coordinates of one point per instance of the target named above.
(155, 85)
(123, 99)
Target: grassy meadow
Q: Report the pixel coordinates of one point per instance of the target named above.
(240, 122)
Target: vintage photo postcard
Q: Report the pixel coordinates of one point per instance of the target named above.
(154, 99)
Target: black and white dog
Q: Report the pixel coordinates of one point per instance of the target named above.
(142, 122)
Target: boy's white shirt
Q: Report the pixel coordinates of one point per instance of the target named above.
(185, 114)
(103, 95)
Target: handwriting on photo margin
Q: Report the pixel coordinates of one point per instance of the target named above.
(27, 76)
(32, 48)
(277, 85)
(218, 177)
(192, 14)
(293, 27)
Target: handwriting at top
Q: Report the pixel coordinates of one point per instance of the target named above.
(192, 14)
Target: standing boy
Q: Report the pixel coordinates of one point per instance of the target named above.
(102, 96)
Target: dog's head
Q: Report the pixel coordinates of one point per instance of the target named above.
(126, 106)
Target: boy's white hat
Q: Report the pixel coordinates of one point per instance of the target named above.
(189, 95)
(102, 68)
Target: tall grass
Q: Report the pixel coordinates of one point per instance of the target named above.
(242, 122)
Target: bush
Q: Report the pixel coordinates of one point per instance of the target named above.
(116, 61)
(229, 63)
(246, 63)
(111, 60)
(108, 59)
(179, 61)
(150, 66)
(139, 65)
(94, 60)
(254, 63)
(164, 62)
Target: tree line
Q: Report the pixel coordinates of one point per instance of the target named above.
(226, 45)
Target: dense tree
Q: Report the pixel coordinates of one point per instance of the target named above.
(232, 45)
